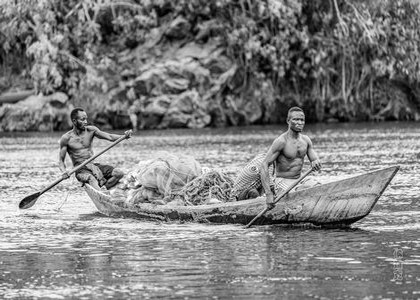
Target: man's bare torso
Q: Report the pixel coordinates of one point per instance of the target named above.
(289, 163)
(79, 147)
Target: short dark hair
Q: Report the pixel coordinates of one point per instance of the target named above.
(74, 112)
(293, 109)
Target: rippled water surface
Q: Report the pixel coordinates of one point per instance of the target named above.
(61, 248)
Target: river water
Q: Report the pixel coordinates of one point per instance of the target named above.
(62, 248)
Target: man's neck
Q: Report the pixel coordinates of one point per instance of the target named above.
(78, 131)
(293, 134)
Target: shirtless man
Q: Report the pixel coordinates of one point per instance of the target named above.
(287, 153)
(78, 144)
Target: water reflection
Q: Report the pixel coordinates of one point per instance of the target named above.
(63, 249)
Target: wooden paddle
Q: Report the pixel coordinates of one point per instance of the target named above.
(279, 197)
(30, 200)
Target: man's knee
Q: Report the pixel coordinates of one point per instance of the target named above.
(253, 193)
(85, 178)
(117, 173)
(91, 180)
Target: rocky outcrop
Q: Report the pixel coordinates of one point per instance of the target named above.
(188, 86)
(172, 80)
(37, 113)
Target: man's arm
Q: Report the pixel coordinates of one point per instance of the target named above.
(313, 157)
(62, 155)
(270, 157)
(109, 136)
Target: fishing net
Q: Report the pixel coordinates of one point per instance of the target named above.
(211, 187)
(177, 180)
(155, 179)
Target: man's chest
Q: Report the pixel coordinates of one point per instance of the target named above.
(80, 142)
(295, 149)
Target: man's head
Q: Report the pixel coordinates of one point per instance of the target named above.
(296, 119)
(78, 117)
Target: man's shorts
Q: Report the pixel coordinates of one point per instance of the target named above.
(101, 172)
(282, 184)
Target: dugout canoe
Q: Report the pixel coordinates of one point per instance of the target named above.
(338, 203)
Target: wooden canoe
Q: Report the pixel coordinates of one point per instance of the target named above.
(338, 203)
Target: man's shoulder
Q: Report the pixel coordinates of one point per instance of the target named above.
(306, 138)
(67, 135)
(91, 128)
(90, 131)
(281, 137)
(280, 140)
(65, 138)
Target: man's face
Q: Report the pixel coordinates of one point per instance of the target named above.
(81, 120)
(296, 121)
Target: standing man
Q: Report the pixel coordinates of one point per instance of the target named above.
(78, 144)
(288, 152)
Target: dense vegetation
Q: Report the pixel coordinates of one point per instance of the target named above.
(339, 59)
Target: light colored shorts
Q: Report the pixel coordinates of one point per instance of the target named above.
(281, 184)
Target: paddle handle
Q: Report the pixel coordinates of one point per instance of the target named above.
(279, 197)
(83, 164)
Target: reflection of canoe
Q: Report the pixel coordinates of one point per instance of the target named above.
(337, 203)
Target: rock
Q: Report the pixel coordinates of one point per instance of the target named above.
(213, 201)
(13, 97)
(128, 74)
(176, 202)
(175, 85)
(217, 63)
(37, 113)
(178, 29)
(158, 202)
(196, 51)
(208, 28)
(154, 110)
(150, 78)
(186, 110)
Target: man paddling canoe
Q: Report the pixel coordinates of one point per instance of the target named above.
(288, 152)
(78, 144)
(284, 160)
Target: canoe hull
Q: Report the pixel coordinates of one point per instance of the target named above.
(339, 203)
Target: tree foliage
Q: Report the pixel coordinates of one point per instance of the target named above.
(334, 57)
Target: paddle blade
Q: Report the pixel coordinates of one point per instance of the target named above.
(29, 201)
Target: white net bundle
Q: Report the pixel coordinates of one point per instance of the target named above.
(159, 178)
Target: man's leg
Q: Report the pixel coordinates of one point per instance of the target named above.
(93, 182)
(252, 193)
(87, 177)
(111, 175)
(116, 176)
